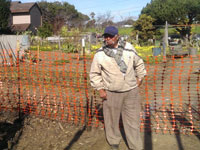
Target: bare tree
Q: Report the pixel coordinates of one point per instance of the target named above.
(105, 20)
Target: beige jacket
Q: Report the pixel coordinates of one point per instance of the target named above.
(105, 73)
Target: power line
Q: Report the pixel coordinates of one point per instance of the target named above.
(126, 10)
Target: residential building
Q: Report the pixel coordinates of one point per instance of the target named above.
(25, 16)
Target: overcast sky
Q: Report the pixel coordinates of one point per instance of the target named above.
(119, 9)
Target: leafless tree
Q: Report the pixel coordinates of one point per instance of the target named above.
(104, 20)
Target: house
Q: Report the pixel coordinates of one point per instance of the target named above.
(25, 16)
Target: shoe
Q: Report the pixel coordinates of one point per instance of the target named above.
(114, 147)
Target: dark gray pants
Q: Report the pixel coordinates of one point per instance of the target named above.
(128, 105)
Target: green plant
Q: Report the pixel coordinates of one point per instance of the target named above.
(144, 28)
(60, 62)
(45, 30)
(69, 47)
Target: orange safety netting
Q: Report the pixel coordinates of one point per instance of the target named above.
(56, 86)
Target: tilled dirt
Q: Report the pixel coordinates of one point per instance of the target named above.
(34, 133)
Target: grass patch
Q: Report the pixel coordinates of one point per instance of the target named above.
(125, 31)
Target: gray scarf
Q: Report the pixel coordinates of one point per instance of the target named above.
(118, 56)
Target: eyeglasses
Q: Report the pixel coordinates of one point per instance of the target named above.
(108, 36)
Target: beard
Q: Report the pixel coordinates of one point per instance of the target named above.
(110, 43)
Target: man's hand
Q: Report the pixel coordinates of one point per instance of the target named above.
(102, 94)
(139, 82)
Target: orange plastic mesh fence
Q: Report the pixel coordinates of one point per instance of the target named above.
(56, 86)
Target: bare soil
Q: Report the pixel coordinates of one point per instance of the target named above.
(35, 133)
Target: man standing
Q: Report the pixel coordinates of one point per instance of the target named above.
(116, 72)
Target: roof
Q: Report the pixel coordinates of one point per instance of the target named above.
(18, 7)
(20, 27)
